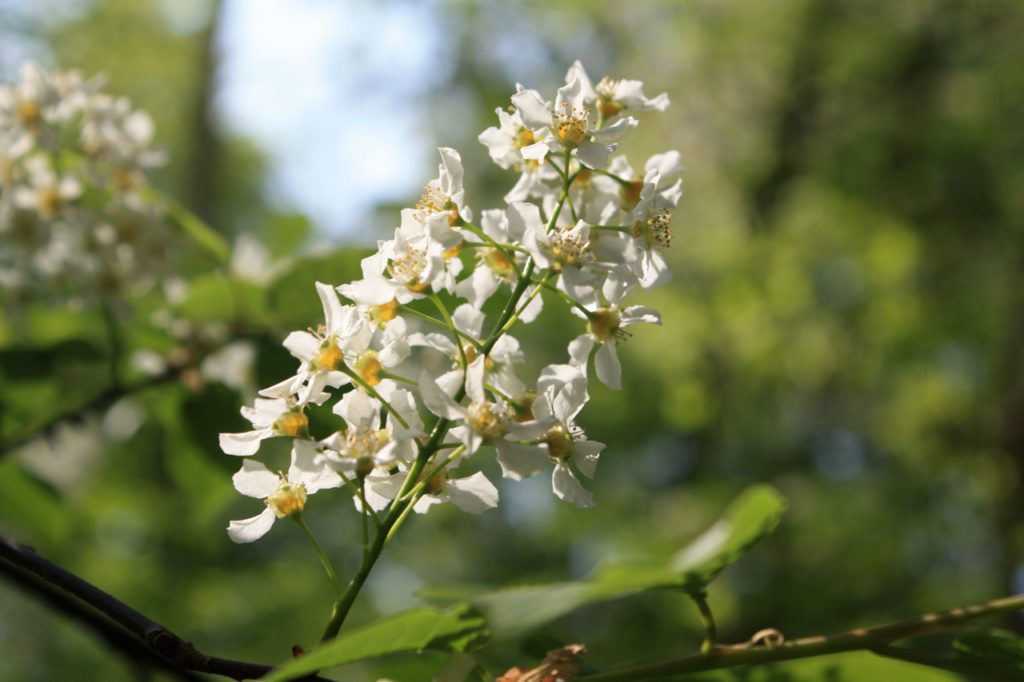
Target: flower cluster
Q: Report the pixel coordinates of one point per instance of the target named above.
(74, 215)
(419, 389)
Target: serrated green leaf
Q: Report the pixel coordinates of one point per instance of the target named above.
(993, 650)
(453, 629)
(750, 517)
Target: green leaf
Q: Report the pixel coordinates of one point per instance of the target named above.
(454, 629)
(750, 517)
(993, 651)
(292, 297)
(754, 514)
(30, 503)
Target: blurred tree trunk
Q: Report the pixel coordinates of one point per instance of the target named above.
(204, 151)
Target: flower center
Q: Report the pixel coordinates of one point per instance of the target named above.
(572, 126)
(385, 312)
(362, 445)
(559, 442)
(568, 247)
(408, 267)
(293, 423)
(289, 499)
(28, 113)
(488, 419)
(604, 323)
(631, 193)
(49, 202)
(524, 137)
(607, 105)
(498, 262)
(435, 201)
(330, 356)
(655, 229)
(368, 367)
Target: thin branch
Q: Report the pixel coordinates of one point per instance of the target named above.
(98, 402)
(874, 639)
(163, 643)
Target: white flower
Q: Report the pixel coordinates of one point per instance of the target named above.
(564, 250)
(482, 421)
(612, 97)
(323, 353)
(505, 142)
(605, 327)
(364, 446)
(49, 193)
(283, 495)
(562, 393)
(445, 193)
(270, 417)
(473, 494)
(570, 124)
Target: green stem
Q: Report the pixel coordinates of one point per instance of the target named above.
(877, 638)
(451, 327)
(707, 619)
(490, 241)
(373, 392)
(320, 553)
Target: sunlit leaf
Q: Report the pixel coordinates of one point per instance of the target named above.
(454, 629)
(754, 514)
(750, 517)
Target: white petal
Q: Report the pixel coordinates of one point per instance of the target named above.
(579, 350)
(607, 366)
(331, 304)
(437, 401)
(306, 470)
(302, 345)
(243, 444)
(592, 154)
(520, 461)
(468, 319)
(248, 530)
(585, 454)
(474, 494)
(255, 480)
(640, 313)
(534, 112)
(568, 488)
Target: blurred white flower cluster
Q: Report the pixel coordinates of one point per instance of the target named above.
(416, 360)
(74, 217)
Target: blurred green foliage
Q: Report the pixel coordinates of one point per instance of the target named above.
(845, 323)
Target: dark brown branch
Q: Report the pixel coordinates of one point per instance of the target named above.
(174, 651)
(116, 636)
